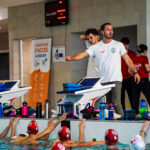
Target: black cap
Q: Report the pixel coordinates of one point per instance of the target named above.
(25, 103)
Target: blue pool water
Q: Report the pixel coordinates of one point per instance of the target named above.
(103, 147)
(6, 145)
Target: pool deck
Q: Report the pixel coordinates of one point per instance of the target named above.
(93, 128)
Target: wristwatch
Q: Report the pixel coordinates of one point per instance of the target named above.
(135, 73)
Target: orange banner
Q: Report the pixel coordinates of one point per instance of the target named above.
(40, 73)
(39, 92)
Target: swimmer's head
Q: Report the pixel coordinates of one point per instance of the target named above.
(64, 133)
(111, 137)
(137, 143)
(59, 146)
(32, 127)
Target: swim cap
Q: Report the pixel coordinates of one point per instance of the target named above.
(32, 127)
(64, 133)
(111, 137)
(59, 146)
(137, 143)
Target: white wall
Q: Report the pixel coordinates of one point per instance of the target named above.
(3, 13)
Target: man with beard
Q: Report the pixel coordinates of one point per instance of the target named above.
(108, 54)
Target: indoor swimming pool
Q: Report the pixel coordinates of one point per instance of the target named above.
(92, 130)
(6, 145)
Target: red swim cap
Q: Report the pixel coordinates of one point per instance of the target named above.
(111, 137)
(59, 146)
(64, 133)
(32, 127)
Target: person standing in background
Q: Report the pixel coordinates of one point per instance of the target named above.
(91, 37)
(108, 54)
(142, 65)
(127, 78)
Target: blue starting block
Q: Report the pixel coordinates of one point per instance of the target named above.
(76, 99)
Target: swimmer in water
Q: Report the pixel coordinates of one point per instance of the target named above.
(32, 131)
(137, 142)
(58, 146)
(111, 139)
(64, 135)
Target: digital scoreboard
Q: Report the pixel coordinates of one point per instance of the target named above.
(56, 12)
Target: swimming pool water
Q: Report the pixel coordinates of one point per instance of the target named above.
(6, 145)
(103, 147)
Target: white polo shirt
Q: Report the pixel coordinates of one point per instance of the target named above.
(108, 57)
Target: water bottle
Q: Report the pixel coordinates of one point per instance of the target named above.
(146, 115)
(111, 112)
(142, 108)
(102, 111)
(24, 110)
(46, 108)
(1, 110)
(39, 110)
(142, 104)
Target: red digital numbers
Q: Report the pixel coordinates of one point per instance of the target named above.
(56, 12)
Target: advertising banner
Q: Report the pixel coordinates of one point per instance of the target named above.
(40, 71)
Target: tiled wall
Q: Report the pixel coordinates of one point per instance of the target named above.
(28, 22)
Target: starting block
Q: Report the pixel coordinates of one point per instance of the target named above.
(91, 92)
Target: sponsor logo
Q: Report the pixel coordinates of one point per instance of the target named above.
(102, 51)
(138, 66)
(113, 50)
(11, 100)
(91, 103)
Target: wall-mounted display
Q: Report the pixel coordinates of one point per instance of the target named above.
(56, 12)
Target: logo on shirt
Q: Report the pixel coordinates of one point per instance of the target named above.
(113, 50)
(102, 51)
(138, 66)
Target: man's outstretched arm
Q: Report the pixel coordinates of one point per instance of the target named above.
(78, 56)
